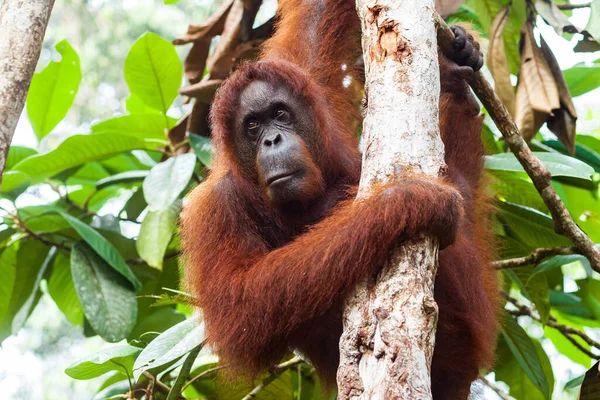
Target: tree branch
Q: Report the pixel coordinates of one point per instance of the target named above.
(567, 331)
(23, 24)
(496, 389)
(539, 174)
(389, 328)
(535, 257)
(573, 6)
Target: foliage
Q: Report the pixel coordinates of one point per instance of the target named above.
(105, 246)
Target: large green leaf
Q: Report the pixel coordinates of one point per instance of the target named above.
(170, 345)
(203, 148)
(20, 266)
(167, 180)
(117, 358)
(103, 248)
(16, 154)
(8, 271)
(108, 299)
(530, 226)
(153, 71)
(525, 353)
(582, 79)
(34, 261)
(53, 90)
(62, 289)
(558, 164)
(77, 150)
(13, 180)
(509, 371)
(124, 177)
(155, 234)
(150, 125)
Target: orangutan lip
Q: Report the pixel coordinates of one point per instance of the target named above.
(281, 176)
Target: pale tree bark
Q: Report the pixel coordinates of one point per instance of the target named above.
(22, 27)
(389, 329)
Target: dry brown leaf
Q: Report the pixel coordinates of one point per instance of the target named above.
(220, 62)
(563, 123)
(203, 91)
(555, 17)
(497, 62)
(528, 120)
(564, 95)
(447, 7)
(535, 75)
(213, 26)
(201, 35)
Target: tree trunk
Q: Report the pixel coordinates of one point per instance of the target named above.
(22, 27)
(389, 329)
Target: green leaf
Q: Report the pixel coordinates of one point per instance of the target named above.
(569, 303)
(14, 180)
(107, 298)
(530, 226)
(582, 79)
(167, 180)
(558, 164)
(103, 248)
(153, 71)
(117, 358)
(155, 234)
(203, 148)
(16, 154)
(562, 344)
(589, 291)
(135, 205)
(62, 289)
(53, 90)
(574, 383)
(124, 177)
(34, 261)
(525, 353)
(557, 261)
(149, 125)
(534, 287)
(159, 320)
(74, 151)
(171, 2)
(42, 218)
(8, 271)
(170, 345)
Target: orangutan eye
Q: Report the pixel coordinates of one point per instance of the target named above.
(252, 127)
(281, 114)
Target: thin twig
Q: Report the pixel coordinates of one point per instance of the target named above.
(157, 383)
(276, 371)
(539, 174)
(496, 389)
(565, 330)
(202, 375)
(573, 6)
(535, 257)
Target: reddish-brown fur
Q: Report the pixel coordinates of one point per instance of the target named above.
(268, 281)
